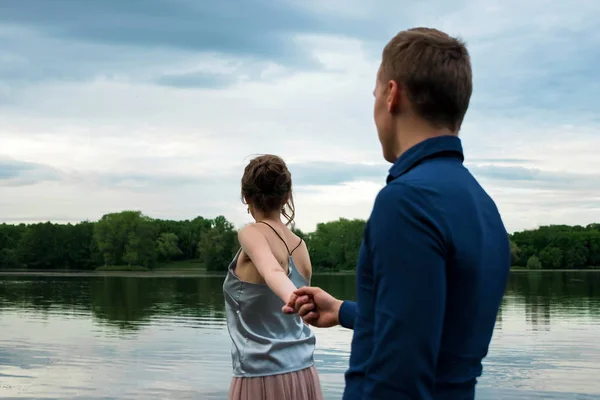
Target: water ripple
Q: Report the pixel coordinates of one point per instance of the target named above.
(122, 338)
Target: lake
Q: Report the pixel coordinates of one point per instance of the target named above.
(164, 337)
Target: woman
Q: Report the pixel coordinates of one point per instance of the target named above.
(272, 352)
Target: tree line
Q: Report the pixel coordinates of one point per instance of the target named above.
(557, 247)
(130, 238)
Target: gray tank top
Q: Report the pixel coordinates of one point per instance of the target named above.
(265, 340)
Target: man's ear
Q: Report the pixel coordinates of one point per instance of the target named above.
(394, 96)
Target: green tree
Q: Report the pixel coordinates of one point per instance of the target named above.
(167, 247)
(78, 250)
(561, 246)
(10, 236)
(41, 247)
(534, 263)
(593, 243)
(218, 245)
(551, 257)
(335, 245)
(126, 237)
(514, 253)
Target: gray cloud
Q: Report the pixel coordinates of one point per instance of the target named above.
(331, 173)
(521, 73)
(303, 174)
(499, 161)
(208, 185)
(197, 80)
(141, 180)
(316, 173)
(518, 69)
(534, 178)
(21, 173)
(249, 27)
(319, 173)
(139, 40)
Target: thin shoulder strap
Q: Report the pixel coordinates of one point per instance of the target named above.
(294, 249)
(278, 235)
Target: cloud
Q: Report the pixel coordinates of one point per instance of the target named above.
(157, 105)
(537, 178)
(253, 28)
(69, 40)
(20, 173)
(195, 80)
(306, 176)
(321, 173)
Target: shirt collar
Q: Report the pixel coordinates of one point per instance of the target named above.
(432, 147)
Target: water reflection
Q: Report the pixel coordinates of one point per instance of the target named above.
(132, 302)
(161, 337)
(546, 293)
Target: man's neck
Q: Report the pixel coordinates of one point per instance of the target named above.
(417, 132)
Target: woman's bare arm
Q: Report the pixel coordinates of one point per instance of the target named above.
(257, 248)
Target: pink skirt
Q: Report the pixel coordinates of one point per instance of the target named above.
(298, 385)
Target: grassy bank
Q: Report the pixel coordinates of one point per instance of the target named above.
(327, 273)
(133, 268)
(525, 269)
(196, 268)
(175, 266)
(187, 265)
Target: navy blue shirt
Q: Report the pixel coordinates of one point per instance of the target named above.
(431, 275)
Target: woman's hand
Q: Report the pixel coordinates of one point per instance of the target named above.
(315, 306)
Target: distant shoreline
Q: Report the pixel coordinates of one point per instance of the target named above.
(151, 273)
(205, 274)
(102, 274)
(591, 269)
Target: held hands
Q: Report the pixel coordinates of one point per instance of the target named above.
(315, 306)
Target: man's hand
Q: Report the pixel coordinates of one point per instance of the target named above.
(315, 306)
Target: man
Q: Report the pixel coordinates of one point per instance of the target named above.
(435, 256)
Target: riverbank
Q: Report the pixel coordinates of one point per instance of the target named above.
(102, 274)
(186, 265)
(172, 269)
(144, 273)
(523, 269)
(202, 273)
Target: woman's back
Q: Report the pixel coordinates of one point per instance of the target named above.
(265, 340)
(283, 244)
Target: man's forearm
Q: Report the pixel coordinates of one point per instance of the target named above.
(347, 314)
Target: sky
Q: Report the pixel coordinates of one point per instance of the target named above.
(157, 105)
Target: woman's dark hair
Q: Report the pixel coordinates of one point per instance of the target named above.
(267, 185)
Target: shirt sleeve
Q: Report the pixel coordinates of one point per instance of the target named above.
(347, 314)
(408, 257)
